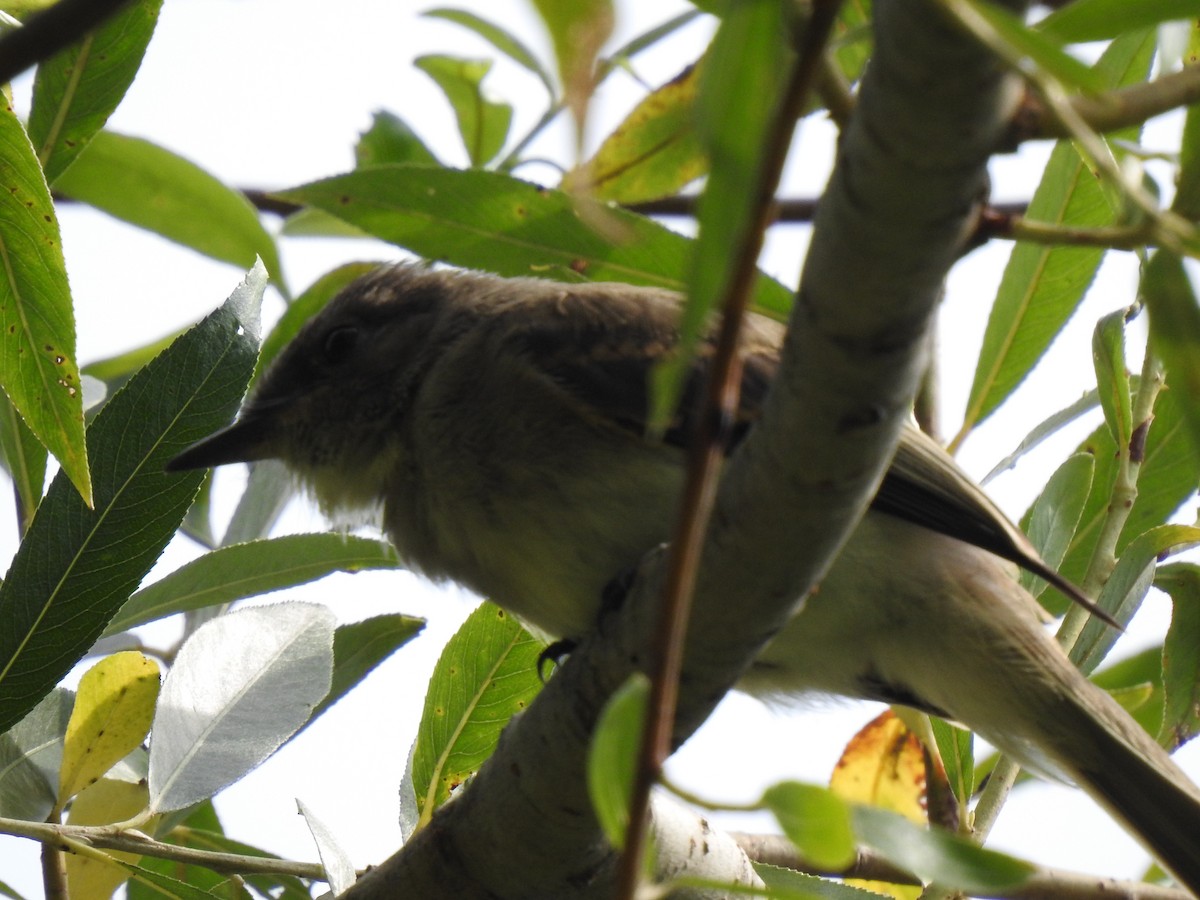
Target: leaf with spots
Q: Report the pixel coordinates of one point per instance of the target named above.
(113, 709)
(38, 369)
(485, 676)
(77, 89)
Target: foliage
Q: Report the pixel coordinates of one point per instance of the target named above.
(241, 682)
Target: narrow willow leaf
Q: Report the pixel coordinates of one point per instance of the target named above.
(30, 758)
(1051, 425)
(655, 151)
(612, 756)
(24, 460)
(246, 570)
(339, 870)
(1187, 179)
(241, 685)
(1175, 332)
(160, 885)
(1126, 588)
(1102, 20)
(1167, 477)
(788, 884)
(938, 855)
(816, 820)
(150, 187)
(1041, 48)
(38, 369)
(76, 90)
(482, 123)
(956, 747)
(1142, 668)
(1054, 516)
(578, 29)
(114, 705)
(486, 674)
(77, 566)
(498, 37)
(390, 140)
(267, 493)
(1181, 655)
(361, 646)
(741, 83)
(485, 220)
(1112, 377)
(1042, 285)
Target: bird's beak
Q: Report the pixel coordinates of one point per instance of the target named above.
(247, 439)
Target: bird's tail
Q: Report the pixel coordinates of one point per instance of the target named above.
(1095, 742)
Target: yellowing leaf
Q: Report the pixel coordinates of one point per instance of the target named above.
(102, 803)
(113, 709)
(884, 765)
(654, 153)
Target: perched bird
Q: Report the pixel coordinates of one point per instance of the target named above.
(499, 426)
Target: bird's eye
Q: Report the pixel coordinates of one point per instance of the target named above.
(339, 344)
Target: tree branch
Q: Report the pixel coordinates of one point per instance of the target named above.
(901, 204)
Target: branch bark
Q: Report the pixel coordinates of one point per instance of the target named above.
(902, 202)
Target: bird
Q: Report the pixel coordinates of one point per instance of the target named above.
(498, 428)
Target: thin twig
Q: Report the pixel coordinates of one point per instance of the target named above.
(707, 449)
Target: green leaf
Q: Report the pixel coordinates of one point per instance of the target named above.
(816, 820)
(30, 758)
(77, 566)
(150, 187)
(578, 29)
(1126, 588)
(653, 153)
(114, 371)
(1181, 655)
(390, 140)
(1039, 47)
(1042, 285)
(786, 884)
(304, 307)
(1167, 477)
(38, 369)
(1102, 20)
(1187, 179)
(502, 40)
(267, 493)
(486, 674)
(851, 42)
(361, 646)
(76, 90)
(158, 884)
(485, 220)
(938, 856)
(247, 570)
(1051, 425)
(1144, 668)
(956, 746)
(1175, 332)
(741, 80)
(1054, 516)
(482, 123)
(612, 756)
(1112, 378)
(24, 460)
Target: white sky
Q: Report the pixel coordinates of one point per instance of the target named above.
(272, 93)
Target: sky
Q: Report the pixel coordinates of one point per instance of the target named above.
(273, 93)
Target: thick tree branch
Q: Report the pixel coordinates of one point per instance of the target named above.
(903, 200)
